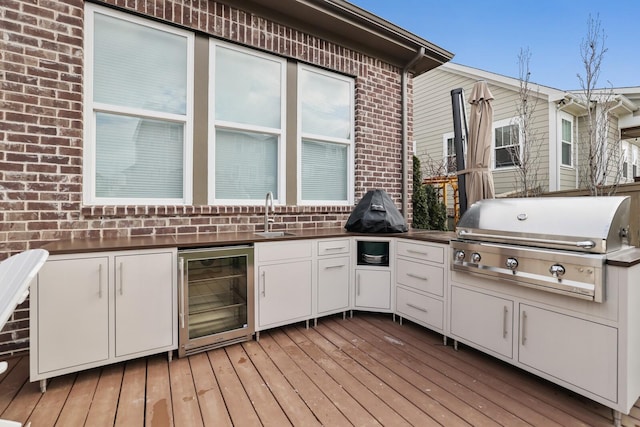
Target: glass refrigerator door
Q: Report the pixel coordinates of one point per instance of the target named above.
(217, 295)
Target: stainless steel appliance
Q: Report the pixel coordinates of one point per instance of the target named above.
(374, 253)
(216, 298)
(556, 244)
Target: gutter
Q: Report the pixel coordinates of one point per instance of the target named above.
(405, 132)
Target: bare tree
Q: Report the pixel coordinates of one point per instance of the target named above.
(526, 157)
(601, 171)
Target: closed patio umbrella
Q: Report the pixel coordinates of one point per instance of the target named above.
(479, 180)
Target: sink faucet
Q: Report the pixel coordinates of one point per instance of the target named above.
(268, 201)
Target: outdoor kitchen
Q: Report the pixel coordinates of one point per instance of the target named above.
(208, 219)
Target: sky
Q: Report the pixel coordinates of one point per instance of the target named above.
(489, 34)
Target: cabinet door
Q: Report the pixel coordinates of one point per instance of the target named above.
(577, 351)
(483, 320)
(373, 289)
(333, 284)
(144, 295)
(72, 313)
(284, 292)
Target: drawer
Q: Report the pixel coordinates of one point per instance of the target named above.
(278, 251)
(333, 247)
(423, 277)
(421, 308)
(421, 251)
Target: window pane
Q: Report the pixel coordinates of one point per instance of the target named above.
(506, 157)
(326, 105)
(248, 88)
(246, 165)
(499, 142)
(324, 171)
(140, 67)
(566, 130)
(138, 158)
(566, 154)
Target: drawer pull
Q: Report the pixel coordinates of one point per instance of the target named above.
(334, 249)
(334, 266)
(415, 276)
(413, 251)
(424, 310)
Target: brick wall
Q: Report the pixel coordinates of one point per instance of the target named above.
(41, 125)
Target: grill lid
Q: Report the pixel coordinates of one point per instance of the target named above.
(588, 224)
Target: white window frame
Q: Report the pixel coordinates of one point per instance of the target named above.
(569, 118)
(91, 108)
(624, 160)
(350, 142)
(215, 124)
(445, 149)
(514, 121)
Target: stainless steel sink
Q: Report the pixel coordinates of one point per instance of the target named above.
(268, 234)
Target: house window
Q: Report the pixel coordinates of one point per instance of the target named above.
(325, 117)
(506, 145)
(138, 110)
(567, 142)
(625, 160)
(636, 160)
(246, 159)
(450, 162)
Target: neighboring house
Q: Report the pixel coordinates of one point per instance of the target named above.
(125, 118)
(558, 124)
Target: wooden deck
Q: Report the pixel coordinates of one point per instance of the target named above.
(363, 371)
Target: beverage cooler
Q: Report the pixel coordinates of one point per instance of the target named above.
(216, 298)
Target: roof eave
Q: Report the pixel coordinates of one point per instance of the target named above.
(343, 23)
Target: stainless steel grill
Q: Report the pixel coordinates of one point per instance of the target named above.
(557, 244)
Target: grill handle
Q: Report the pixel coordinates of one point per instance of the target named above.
(585, 244)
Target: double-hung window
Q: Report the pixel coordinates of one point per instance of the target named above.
(506, 144)
(138, 110)
(246, 107)
(450, 162)
(325, 129)
(566, 140)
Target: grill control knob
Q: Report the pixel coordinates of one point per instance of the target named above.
(557, 271)
(475, 257)
(459, 256)
(511, 263)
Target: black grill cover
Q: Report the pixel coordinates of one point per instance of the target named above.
(376, 213)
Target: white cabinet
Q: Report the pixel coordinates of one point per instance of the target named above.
(333, 275)
(483, 320)
(420, 274)
(283, 283)
(590, 348)
(372, 289)
(144, 296)
(92, 309)
(69, 314)
(577, 351)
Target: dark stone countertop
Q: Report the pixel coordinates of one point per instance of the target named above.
(188, 241)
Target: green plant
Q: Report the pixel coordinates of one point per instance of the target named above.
(428, 212)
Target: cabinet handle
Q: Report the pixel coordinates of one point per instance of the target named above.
(264, 284)
(100, 281)
(504, 321)
(524, 329)
(334, 266)
(413, 251)
(182, 293)
(424, 310)
(415, 276)
(337, 248)
(121, 279)
(358, 285)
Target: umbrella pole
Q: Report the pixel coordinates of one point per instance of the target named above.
(459, 118)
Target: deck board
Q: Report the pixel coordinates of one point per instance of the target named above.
(365, 370)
